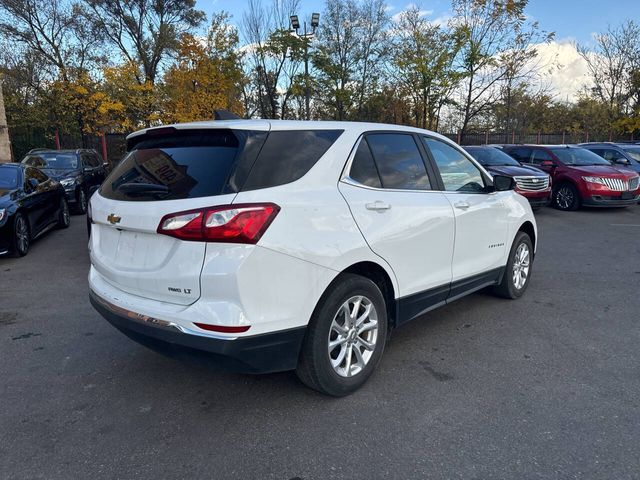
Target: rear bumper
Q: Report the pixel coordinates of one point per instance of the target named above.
(608, 201)
(264, 353)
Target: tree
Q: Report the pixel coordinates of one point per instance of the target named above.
(422, 66)
(614, 65)
(353, 46)
(52, 30)
(144, 31)
(274, 56)
(206, 77)
(496, 42)
(139, 101)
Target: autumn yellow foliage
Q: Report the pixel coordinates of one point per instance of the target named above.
(198, 84)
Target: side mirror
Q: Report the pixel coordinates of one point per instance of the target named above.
(621, 161)
(547, 163)
(502, 183)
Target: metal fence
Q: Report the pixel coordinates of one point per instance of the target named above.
(115, 143)
(23, 140)
(491, 138)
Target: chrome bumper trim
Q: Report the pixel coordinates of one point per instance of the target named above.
(148, 320)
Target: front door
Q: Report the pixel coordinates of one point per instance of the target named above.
(481, 222)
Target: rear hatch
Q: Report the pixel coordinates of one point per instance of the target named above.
(167, 171)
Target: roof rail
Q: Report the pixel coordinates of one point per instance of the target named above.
(225, 115)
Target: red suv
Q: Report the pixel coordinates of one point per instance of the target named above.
(580, 177)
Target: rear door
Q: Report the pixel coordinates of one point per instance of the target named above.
(481, 218)
(403, 218)
(189, 170)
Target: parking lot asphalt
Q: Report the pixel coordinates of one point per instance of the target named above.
(544, 387)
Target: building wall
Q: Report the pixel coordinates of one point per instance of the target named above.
(5, 146)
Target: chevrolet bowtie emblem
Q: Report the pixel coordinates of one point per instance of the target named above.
(113, 219)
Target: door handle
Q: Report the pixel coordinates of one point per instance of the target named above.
(461, 205)
(379, 206)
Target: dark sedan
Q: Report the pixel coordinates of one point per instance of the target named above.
(531, 182)
(30, 205)
(79, 171)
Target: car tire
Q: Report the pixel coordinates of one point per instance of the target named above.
(64, 217)
(566, 197)
(341, 348)
(517, 273)
(81, 206)
(21, 235)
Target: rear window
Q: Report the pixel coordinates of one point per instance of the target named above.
(175, 166)
(205, 163)
(288, 155)
(8, 178)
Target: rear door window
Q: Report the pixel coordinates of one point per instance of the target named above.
(399, 161)
(288, 155)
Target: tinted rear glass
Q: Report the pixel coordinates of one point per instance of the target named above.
(363, 168)
(399, 161)
(8, 178)
(182, 165)
(288, 155)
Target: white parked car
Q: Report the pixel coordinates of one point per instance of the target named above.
(281, 245)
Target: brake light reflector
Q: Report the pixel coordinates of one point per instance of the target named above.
(242, 223)
(223, 328)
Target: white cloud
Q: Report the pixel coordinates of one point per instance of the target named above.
(565, 71)
(410, 6)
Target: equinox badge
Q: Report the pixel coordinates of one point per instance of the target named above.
(113, 219)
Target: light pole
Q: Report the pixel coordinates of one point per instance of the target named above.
(295, 26)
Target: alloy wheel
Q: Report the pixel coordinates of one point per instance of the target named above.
(66, 217)
(564, 198)
(352, 336)
(521, 264)
(22, 235)
(82, 200)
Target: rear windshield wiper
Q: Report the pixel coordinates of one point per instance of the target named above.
(143, 189)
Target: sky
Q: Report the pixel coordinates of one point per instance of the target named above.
(571, 20)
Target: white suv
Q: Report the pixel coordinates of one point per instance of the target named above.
(280, 245)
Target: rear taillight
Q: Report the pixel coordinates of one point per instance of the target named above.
(243, 223)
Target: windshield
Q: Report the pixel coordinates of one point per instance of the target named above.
(634, 152)
(578, 156)
(8, 178)
(489, 156)
(54, 160)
